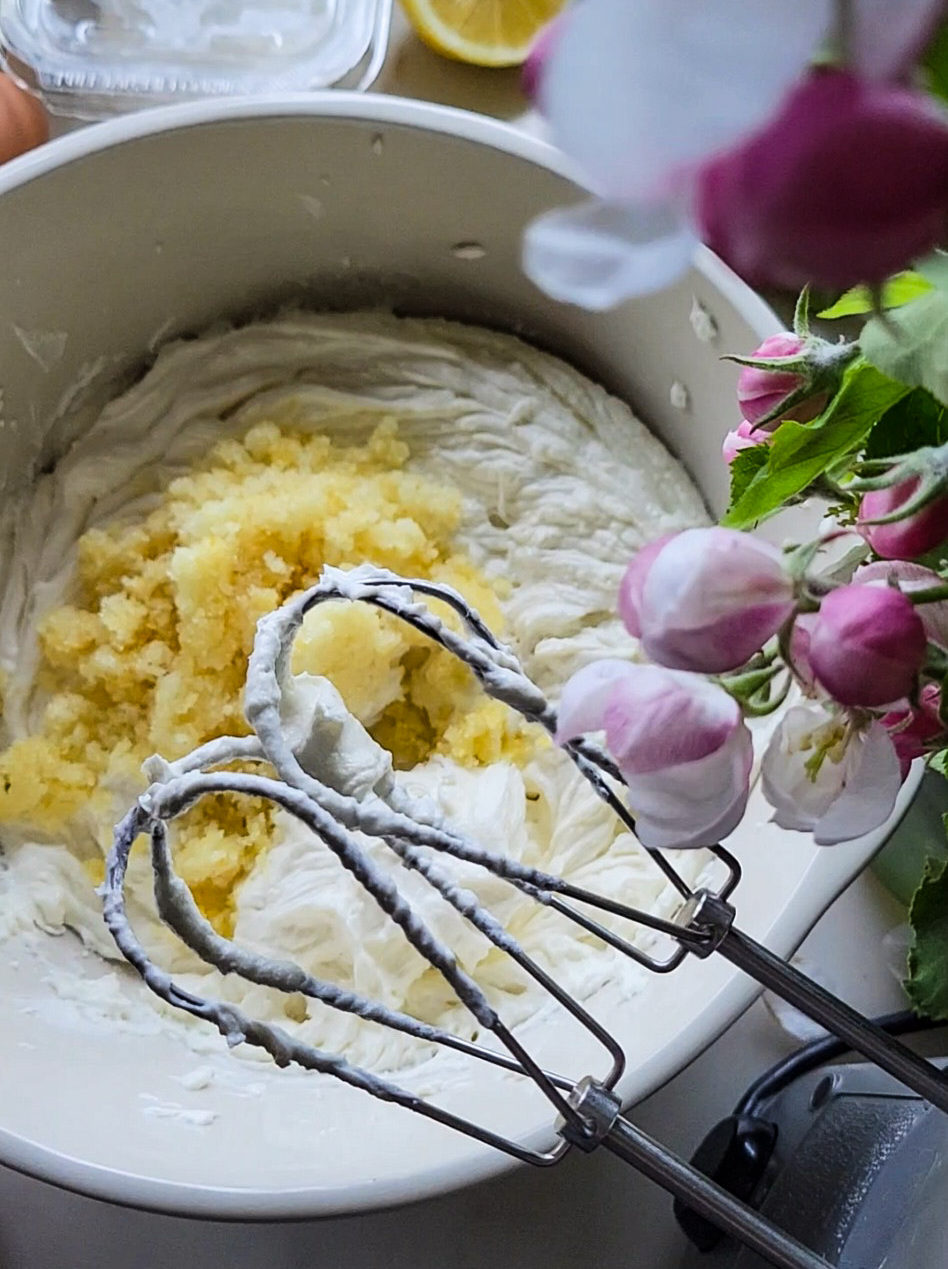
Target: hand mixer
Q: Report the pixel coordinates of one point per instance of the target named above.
(336, 804)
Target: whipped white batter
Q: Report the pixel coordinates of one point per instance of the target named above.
(560, 485)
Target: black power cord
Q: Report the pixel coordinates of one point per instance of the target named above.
(736, 1151)
(827, 1049)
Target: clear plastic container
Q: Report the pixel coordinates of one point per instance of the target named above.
(94, 58)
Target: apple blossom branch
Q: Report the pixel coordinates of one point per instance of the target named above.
(820, 157)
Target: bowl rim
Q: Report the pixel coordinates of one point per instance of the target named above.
(830, 872)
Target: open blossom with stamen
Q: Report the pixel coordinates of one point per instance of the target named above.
(830, 774)
(678, 740)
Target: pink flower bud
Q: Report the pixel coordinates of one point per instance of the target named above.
(630, 590)
(707, 599)
(912, 729)
(909, 577)
(918, 533)
(760, 391)
(867, 645)
(744, 436)
(679, 741)
(798, 201)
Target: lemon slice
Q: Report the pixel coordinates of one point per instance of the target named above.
(482, 32)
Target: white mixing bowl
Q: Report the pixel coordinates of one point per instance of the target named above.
(121, 236)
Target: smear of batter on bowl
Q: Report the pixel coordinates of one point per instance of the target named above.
(220, 485)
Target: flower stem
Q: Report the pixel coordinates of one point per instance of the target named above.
(930, 595)
(827, 488)
(936, 663)
(761, 703)
(750, 682)
(843, 27)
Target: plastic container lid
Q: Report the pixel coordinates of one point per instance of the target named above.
(94, 58)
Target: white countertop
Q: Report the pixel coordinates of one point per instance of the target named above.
(591, 1210)
(413, 70)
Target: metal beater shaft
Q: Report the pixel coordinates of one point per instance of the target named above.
(837, 1017)
(709, 913)
(602, 1109)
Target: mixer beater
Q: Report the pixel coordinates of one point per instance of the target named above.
(345, 803)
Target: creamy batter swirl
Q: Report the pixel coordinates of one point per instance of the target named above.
(559, 485)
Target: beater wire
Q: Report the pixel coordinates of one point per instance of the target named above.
(343, 814)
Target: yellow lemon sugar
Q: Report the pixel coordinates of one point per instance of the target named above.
(151, 656)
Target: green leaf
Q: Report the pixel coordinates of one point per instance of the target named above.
(801, 313)
(935, 269)
(747, 463)
(927, 984)
(801, 452)
(935, 63)
(911, 343)
(939, 762)
(842, 571)
(915, 421)
(896, 291)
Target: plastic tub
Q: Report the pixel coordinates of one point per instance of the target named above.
(89, 59)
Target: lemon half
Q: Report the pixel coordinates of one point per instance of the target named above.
(481, 32)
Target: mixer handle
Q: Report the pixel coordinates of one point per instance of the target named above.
(606, 1126)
